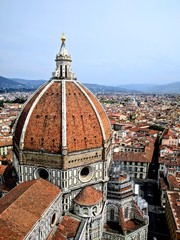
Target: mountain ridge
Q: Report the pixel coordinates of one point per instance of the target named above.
(155, 88)
(25, 84)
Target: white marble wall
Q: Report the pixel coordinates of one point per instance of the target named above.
(65, 179)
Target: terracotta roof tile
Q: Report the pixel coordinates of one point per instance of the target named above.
(44, 130)
(130, 225)
(125, 188)
(134, 157)
(168, 133)
(6, 143)
(163, 184)
(24, 205)
(88, 196)
(173, 181)
(2, 169)
(174, 199)
(23, 115)
(101, 112)
(67, 228)
(83, 128)
(44, 123)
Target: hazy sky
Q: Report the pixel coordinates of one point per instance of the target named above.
(111, 42)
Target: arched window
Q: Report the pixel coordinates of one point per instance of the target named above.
(53, 219)
(139, 237)
(65, 71)
(141, 175)
(94, 210)
(61, 71)
(85, 211)
(112, 214)
(126, 212)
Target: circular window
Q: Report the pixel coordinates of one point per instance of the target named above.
(42, 173)
(53, 220)
(86, 174)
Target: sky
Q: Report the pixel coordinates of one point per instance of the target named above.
(111, 42)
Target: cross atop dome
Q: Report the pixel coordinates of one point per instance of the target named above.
(63, 51)
(63, 38)
(63, 63)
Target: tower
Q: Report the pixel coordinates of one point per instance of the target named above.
(126, 214)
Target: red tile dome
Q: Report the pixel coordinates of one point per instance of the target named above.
(62, 111)
(61, 117)
(88, 196)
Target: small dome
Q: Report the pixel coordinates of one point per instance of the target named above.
(88, 196)
(122, 177)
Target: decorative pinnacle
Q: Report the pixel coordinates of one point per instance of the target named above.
(63, 38)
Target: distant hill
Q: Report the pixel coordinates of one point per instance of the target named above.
(7, 84)
(21, 84)
(96, 88)
(152, 88)
(32, 84)
(139, 87)
(17, 84)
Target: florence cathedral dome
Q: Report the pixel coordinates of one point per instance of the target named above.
(62, 117)
(67, 186)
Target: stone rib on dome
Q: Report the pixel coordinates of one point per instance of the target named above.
(101, 112)
(84, 131)
(43, 130)
(23, 115)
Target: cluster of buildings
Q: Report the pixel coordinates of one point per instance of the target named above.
(62, 181)
(155, 109)
(146, 131)
(169, 179)
(80, 162)
(8, 115)
(134, 148)
(13, 96)
(9, 112)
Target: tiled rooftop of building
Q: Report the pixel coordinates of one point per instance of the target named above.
(174, 200)
(163, 183)
(2, 169)
(145, 157)
(23, 206)
(169, 160)
(178, 174)
(125, 188)
(169, 134)
(6, 143)
(122, 177)
(130, 225)
(67, 228)
(125, 226)
(173, 182)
